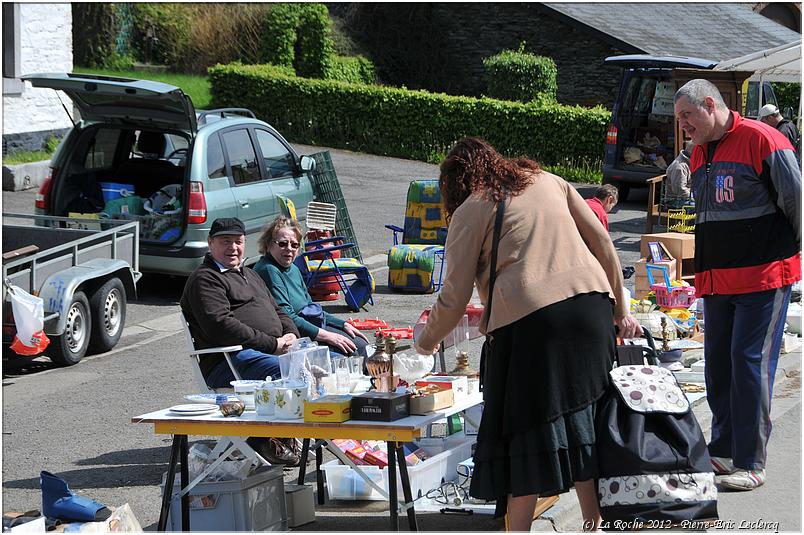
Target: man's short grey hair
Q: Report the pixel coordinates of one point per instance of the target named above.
(605, 191)
(697, 90)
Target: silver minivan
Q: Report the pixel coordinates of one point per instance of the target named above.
(141, 151)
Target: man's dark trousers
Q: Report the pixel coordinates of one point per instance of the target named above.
(743, 340)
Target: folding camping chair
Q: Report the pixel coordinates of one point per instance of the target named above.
(319, 263)
(412, 262)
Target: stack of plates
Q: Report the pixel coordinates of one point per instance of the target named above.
(193, 409)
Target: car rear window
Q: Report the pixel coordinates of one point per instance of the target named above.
(216, 164)
(101, 149)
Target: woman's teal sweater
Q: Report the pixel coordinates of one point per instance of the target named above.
(287, 286)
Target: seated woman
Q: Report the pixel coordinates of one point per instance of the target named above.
(279, 245)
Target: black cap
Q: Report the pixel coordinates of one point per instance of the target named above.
(227, 225)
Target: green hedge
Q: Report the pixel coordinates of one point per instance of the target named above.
(407, 124)
(517, 75)
(307, 25)
(352, 69)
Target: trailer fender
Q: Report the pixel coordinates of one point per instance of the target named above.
(58, 289)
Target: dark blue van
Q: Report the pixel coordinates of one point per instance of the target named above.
(640, 141)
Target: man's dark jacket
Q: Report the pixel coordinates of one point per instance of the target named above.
(231, 308)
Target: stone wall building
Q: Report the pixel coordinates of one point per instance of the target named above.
(36, 38)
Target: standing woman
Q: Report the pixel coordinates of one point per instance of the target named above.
(279, 245)
(557, 296)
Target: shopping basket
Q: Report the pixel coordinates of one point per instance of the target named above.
(667, 295)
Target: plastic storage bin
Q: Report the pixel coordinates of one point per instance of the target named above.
(344, 483)
(256, 503)
(113, 190)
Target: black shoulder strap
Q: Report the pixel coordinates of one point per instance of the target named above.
(494, 243)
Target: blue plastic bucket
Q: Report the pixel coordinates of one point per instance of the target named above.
(113, 190)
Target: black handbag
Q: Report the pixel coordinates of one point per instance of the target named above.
(485, 351)
(654, 468)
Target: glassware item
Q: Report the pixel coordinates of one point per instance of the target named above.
(461, 338)
(341, 366)
(356, 366)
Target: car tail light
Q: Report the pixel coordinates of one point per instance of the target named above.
(611, 135)
(42, 199)
(196, 204)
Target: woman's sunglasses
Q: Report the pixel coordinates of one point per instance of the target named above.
(284, 243)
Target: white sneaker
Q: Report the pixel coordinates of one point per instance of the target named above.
(743, 479)
(722, 466)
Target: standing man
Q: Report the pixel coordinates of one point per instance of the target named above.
(678, 189)
(747, 187)
(228, 304)
(604, 200)
(769, 114)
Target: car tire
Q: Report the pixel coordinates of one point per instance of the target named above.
(623, 190)
(108, 308)
(71, 346)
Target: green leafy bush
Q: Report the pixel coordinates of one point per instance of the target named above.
(788, 95)
(93, 48)
(352, 69)
(408, 124)
(299, 35)
(170, 24)
(517, 75)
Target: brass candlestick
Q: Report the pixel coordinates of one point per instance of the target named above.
(462, 365)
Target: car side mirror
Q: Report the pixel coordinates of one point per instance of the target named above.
(307, 163)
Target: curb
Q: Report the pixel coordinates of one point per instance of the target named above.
(24, 176)
(565, 516)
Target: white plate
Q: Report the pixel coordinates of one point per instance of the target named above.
(207, 398)
(193, 409)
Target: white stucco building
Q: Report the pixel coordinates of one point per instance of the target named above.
(36, 38)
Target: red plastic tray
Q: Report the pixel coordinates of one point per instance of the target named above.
(368, 324)
(399, 333)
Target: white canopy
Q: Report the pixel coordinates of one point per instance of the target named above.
(779, 64)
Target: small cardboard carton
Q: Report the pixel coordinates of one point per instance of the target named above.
(357, 454)
(380, 406)
(376, 458)
(430, 401)
(458, 383)
(333, 408)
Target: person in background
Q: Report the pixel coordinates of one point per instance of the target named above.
(227, 304)
(678, 186)
(602, 202)
(769, 114)
(556, 302)
(747, 187)
(279, 245)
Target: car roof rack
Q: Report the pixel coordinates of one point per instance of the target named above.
(203, 114)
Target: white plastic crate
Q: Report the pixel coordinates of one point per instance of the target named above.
(256, 503)
(344, 483)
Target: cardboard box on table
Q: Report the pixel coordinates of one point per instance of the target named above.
(432, 401)
(641, 281)
(333, 408)
(680, 246)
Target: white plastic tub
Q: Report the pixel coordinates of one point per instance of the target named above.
(344, 483)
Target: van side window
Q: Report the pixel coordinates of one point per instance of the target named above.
(242, 158)
(216, 164)
(101, 149)
(278, 159)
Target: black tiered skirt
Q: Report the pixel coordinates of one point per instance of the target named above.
(541, 384)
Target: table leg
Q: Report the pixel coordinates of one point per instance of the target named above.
(441, 359)
(403, 474)
(168, 492)
(303, 461)
(319, 474)
(185, 480)
(392, 499)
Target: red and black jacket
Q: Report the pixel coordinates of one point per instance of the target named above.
(748, 211)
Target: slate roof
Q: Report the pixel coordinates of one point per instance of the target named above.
(706, 30)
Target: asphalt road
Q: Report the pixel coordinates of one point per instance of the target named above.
(76, 421)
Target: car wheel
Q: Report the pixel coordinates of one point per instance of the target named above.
(108, 307)
(71, 346)
(623, 190)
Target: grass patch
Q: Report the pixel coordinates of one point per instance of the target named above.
(26, 156)
(578, 172)
(197, 87)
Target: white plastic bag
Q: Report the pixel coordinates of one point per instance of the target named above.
(29, 315)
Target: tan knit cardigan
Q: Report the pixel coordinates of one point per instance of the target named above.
(552, 247)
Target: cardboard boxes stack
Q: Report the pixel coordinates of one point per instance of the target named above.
(679, 250)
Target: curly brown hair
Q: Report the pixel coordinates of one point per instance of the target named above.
(473, 165)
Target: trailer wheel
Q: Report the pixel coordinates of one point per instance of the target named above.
(71, 346)
(108, 307)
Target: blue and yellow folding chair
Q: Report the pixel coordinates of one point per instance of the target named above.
(412, 263)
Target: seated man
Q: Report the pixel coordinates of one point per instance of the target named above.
(678, 185)
(228, 304)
